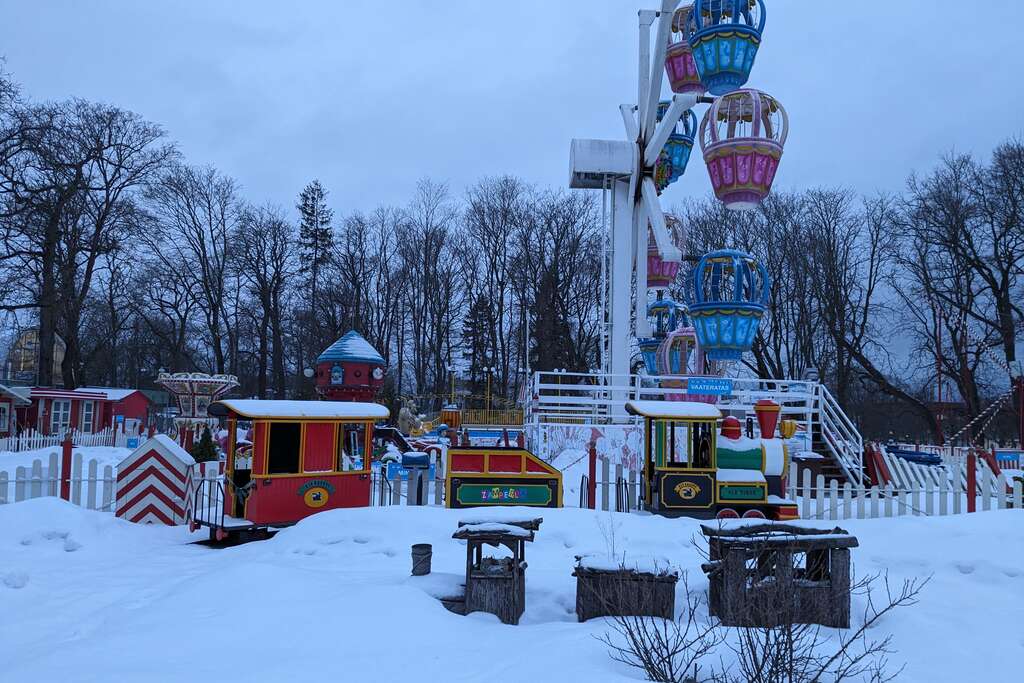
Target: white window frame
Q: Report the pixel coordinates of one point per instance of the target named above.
(86, 425)
(60, 427)
(5, 418)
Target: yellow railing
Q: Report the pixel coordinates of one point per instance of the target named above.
(503, 418)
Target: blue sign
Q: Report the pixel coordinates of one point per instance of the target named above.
(396, 471)
(1009, 455)
(133, 442)
(717, 386)
(119, 419)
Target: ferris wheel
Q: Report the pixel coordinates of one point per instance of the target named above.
(707, 50)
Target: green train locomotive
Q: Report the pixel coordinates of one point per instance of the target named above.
(693, 469)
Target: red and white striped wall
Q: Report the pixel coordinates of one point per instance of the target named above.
(151, 483)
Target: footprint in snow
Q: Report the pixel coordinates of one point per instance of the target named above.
(71, 545)
(965, 568)
(15, 580)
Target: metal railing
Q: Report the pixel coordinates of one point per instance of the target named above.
(497, 417)
(840, 436)
(208, 502)
(599, 399)
(568, 398)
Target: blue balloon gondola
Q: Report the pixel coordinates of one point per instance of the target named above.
(676, 153)
(725, 41)
(730, 293)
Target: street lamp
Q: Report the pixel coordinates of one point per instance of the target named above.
(489, 370)
(451, 377)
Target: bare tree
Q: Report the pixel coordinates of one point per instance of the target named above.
(666, 650)
(264, 239)
(197, 210)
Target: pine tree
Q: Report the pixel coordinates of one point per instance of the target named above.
(551, 330)
(316, 237)
(475, 342)
(204, 451)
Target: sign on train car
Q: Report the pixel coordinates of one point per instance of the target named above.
(487, 476)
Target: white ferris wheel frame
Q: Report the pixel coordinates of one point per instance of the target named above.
(626, 168)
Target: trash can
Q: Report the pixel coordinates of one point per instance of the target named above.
(421, 555)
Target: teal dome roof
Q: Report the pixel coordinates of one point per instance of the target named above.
(353, 348)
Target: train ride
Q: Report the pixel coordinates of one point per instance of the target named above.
(693, 469)
(286, 460)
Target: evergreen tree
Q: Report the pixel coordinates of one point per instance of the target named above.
(204, 451)
(475, 342)
(551, 333)
(316, 238)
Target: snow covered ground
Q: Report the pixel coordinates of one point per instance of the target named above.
(87, 597)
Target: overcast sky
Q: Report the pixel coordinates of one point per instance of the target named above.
(371, 96)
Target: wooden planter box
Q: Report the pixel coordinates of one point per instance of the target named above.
(497, 586)
(624, 592)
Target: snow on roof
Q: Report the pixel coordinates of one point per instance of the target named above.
(112, 393)
(330, 410)
(172, 447)
(679, 410)
(103, 393)
(351, 347)
(495, 528)
(659, 566)
(18, 394)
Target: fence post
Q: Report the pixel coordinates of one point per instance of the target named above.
(65, 468)
(20, 479)
(90, 491)
(396, 491)
(36, 486)
(819, 497)
(592, 476)
(986, 487)
(605, 475)
(76, 479)
(53, 476)
(1001, 492)
(3, 487)
(631, 494)
(805, 500)
(972, 481)
(108, 489)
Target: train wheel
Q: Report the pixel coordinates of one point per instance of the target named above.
(193, 526)
(219, 535)
(727, 513)
(753, 514)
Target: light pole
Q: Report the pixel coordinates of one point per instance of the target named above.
(451, 377)
(487, 396)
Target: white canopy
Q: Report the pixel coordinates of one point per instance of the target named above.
(324, 410)
(674, 410)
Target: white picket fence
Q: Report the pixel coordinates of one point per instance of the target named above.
(89, 488)
(936, 493)
(31, 440)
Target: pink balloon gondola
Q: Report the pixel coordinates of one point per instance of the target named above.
(742, 136)
(680, 354)
(679, 64)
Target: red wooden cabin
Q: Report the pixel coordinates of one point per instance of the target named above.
(289, 459)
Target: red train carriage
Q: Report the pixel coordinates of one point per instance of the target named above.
(287, 460)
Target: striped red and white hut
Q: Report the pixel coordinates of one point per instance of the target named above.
(151, 482)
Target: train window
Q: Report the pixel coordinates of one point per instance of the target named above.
(680, 436)
(351, 447)
(284, 447)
